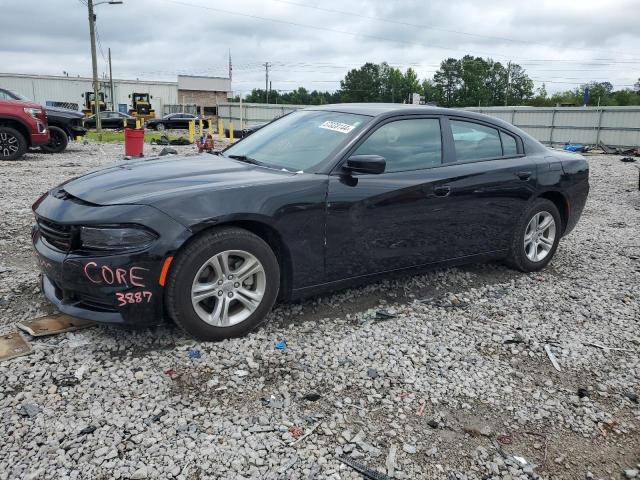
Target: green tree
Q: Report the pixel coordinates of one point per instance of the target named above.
(448, 80)
(520, 88)
(362, 84)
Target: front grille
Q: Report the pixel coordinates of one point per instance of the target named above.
(55, 234)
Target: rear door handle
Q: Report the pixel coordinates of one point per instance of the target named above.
(442, 190)
(523, 175)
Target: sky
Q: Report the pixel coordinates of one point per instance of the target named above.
(314, 43)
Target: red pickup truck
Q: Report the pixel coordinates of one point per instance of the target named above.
(22, 125)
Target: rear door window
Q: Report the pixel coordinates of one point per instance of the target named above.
(473, 141)
(509, 145)
(406, 144)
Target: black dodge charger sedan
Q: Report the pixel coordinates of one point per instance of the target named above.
(322, 198)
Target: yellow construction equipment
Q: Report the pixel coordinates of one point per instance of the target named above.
(141, 106)
(90, 104)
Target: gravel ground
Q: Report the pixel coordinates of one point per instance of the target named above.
(456, 385)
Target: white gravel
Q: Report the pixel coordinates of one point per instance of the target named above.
(456, 385)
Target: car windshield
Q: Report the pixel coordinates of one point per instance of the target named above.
(300, 140)
(16, 95)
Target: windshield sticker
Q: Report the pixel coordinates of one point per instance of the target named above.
(337, 126)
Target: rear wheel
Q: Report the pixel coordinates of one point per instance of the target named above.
(160, 127)
(58, 142)
(12, 144)
(536, 237)
(223, 284)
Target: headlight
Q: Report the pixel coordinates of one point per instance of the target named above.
(34, 112)
(113, 238)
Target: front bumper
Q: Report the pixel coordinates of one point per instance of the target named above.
(120, 288)
(38, 139)
(77, 131)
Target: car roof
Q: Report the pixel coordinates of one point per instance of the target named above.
(393, 109)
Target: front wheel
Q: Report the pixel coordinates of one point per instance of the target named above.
(222, 284)
(58, 141)
(536, 237)
(160, 127)
(12, 144)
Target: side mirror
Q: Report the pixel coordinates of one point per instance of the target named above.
(373, 164)
(151, 96)
(129, 96)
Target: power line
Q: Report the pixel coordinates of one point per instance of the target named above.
(430, 27)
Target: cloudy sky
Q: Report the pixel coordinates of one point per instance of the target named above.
(313, 43)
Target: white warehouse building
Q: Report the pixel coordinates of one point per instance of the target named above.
(64, 91)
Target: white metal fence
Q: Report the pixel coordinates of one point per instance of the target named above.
(614, 126)
(253, 113)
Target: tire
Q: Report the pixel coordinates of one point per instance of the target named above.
(12, 144)
(160, 127)
(533, 246)
(59, 141)
(190, 270)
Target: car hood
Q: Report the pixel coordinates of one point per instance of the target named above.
(146, 181)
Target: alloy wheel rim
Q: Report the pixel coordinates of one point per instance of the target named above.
(539, 236)
(8, 144)
(228, 288)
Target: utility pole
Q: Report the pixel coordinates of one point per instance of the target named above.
(508, 87)
(266, 81)
(113, 100)
(94, 63)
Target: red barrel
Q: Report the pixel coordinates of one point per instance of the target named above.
(133, 142)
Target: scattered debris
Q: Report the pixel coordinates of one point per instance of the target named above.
(390, 462)
(288, 465)
(13, 345)
(53, 324)
(273, 402)
(574, 147)
(372, 373)
(591, 344)
(313, 429)
(583, 392)
(433, 424)
(552, 357)
(195, 354)
(633, 396)
(241, 373)
(296, 431)
(505, 439)
(366, 472)
(67, 381)
(168, 151)
(29, 410)
(631, 473)
(80, 372)
(280, 345)
(87, 430)
(385, 315)
(520, 460)
(312, 397)
(410, 449)
(628, 159)
(171, 373)
(421, 409)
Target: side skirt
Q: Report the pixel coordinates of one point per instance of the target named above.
(312, 290)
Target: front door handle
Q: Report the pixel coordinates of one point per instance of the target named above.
(523, 175)
(442, 190)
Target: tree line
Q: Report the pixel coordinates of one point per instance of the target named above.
(466, 82)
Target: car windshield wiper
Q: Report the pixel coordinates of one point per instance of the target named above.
(244, 158)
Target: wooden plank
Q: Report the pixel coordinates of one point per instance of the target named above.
(13, 345)
(53, 324)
